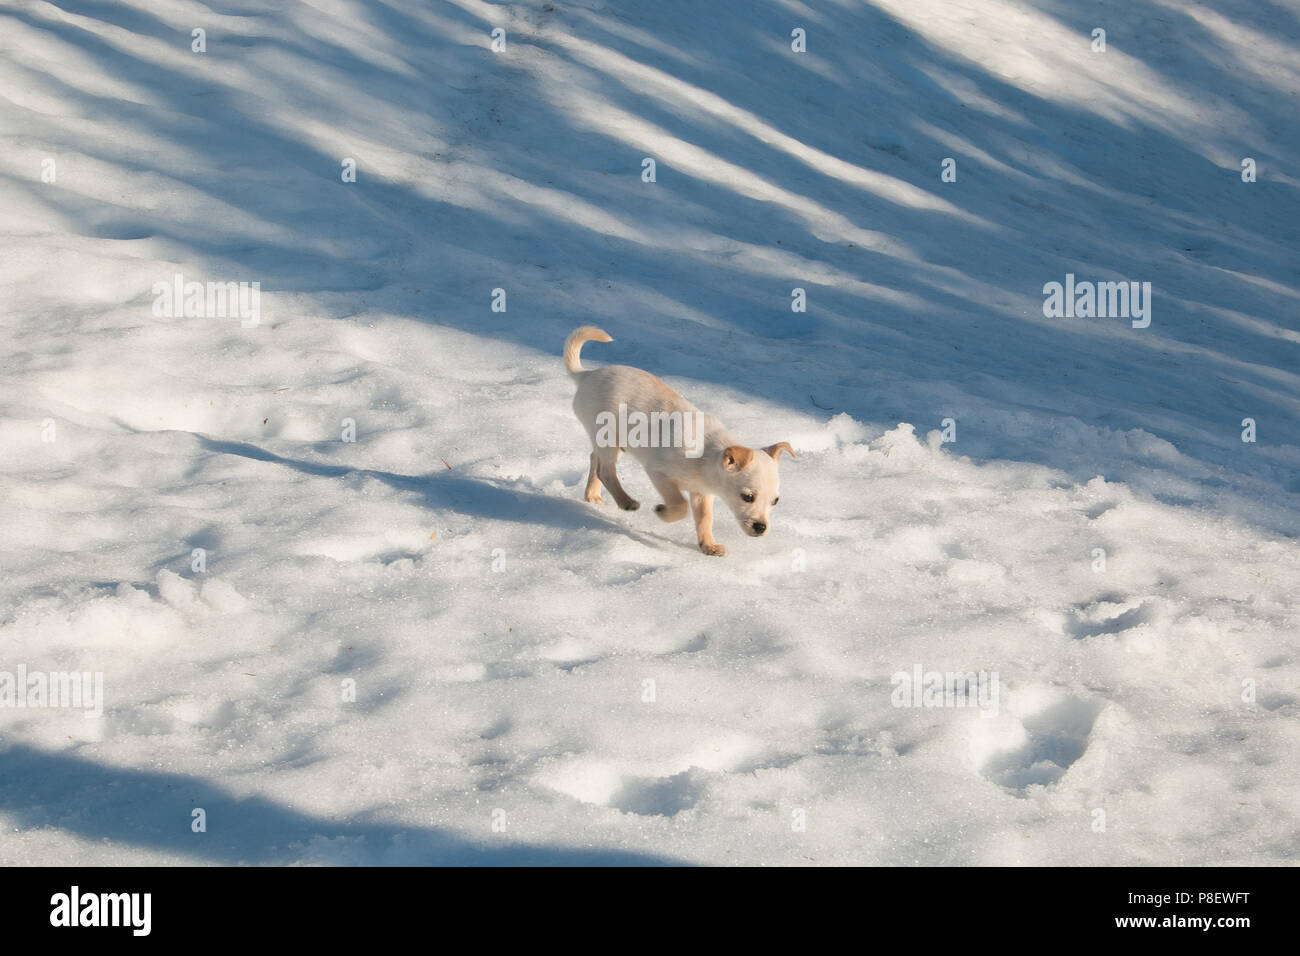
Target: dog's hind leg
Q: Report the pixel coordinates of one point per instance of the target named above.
(593, 483)
(605, 459)
(674, 507)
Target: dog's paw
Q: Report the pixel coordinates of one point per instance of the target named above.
(631, 505)
(595, 499)
(713, 550)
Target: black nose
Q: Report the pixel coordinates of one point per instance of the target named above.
(759, 527)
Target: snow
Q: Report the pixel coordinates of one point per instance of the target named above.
(539, 680)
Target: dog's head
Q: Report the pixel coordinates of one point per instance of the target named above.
(752, 484)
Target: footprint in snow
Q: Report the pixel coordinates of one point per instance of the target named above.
(1107, 615)
(1041, 745)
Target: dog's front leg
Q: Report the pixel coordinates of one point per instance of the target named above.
(702, 508)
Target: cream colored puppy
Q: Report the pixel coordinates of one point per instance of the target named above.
(684, 451)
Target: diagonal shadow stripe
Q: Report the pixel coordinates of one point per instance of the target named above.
(152, 810)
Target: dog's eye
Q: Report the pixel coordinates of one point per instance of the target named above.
(747, 496)
(775, 500)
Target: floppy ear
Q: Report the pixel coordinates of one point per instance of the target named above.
(736, 457)
(781, 446)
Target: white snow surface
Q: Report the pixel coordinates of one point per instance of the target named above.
(541, 680)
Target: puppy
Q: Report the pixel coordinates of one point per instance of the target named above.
(684, 451)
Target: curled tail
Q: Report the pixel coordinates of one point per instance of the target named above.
(573, 345)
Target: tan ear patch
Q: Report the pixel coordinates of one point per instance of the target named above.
(781, 446)
(736, 457)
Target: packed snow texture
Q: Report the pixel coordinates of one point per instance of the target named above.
(422, 646)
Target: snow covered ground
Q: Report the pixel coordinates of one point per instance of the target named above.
(422, 646)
